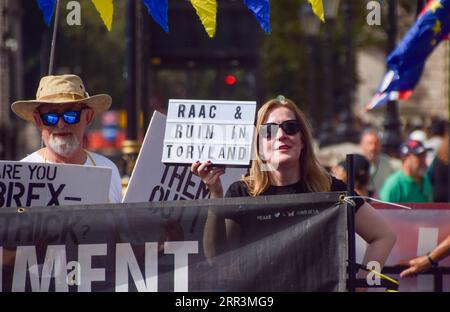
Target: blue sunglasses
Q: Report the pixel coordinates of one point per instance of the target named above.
(70, 117)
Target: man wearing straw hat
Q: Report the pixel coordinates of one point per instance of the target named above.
(62, 111)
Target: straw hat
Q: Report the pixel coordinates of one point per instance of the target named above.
(61, 90)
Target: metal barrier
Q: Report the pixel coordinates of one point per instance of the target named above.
(438, 274)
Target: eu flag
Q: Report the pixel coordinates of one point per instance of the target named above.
(405, 64)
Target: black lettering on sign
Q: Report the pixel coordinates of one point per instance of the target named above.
(242, 132)
(2, 194)
(31, 195)
(166, 170)
(169, 147)
(200, 151)
(9, 171)
(178, 176)
(180, 151)
(202, 111)
(242, 153)
(70, 198)
(194, 131)
(190, 131)
(190, 152)
(181, 109)
(54, 194)
(209, 131)
(157, 190)
(211, 152)
(16, 196)
(231, 153)
(212, 111)
(221, 153)
(32, 169)
(40, 172)
(178, 131)
(192, 112)
(187, 184)
(202, 191)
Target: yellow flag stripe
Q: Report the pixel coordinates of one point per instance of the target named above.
(317, 7)
(207, 12)
(106, 10)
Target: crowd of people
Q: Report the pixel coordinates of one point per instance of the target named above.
(419, 175)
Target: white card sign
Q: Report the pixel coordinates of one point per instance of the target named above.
(152, 180)
(220, 131)
(24, 184)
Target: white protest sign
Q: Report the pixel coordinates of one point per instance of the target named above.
(24, 184)
(220, 131)
(152, 180)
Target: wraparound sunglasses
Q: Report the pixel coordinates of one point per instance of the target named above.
(290, 127)
(70, 117)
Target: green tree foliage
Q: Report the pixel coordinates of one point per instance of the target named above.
(287, 66)
(94, 53)
(283, 57)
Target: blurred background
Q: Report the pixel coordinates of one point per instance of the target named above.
(331, 70)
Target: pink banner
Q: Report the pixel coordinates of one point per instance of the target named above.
(418, 231)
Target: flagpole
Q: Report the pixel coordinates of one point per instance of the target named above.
(55, 31)
(392, 137)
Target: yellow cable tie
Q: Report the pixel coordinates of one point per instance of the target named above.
(385, 277)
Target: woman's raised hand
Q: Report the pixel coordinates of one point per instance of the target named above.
(210, 175)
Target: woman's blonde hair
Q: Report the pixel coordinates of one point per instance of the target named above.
(313, 175)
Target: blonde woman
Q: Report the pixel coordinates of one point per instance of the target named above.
(285, 164)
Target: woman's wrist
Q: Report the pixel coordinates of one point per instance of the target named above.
(433, 263)
(215, 191)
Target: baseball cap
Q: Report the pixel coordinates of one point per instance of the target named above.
(414, 147)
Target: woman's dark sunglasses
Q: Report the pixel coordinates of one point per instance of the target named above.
(290, 127)
(70, 117)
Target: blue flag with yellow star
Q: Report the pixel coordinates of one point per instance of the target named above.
(405, 64)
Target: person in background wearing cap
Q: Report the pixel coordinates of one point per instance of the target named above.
(62, 111)
(411, 184)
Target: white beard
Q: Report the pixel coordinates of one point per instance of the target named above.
(63, 146)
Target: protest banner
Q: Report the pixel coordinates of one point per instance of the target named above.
(418, 231)
(152, 180)
(25, 184)
(302, 246)
(219, 131)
